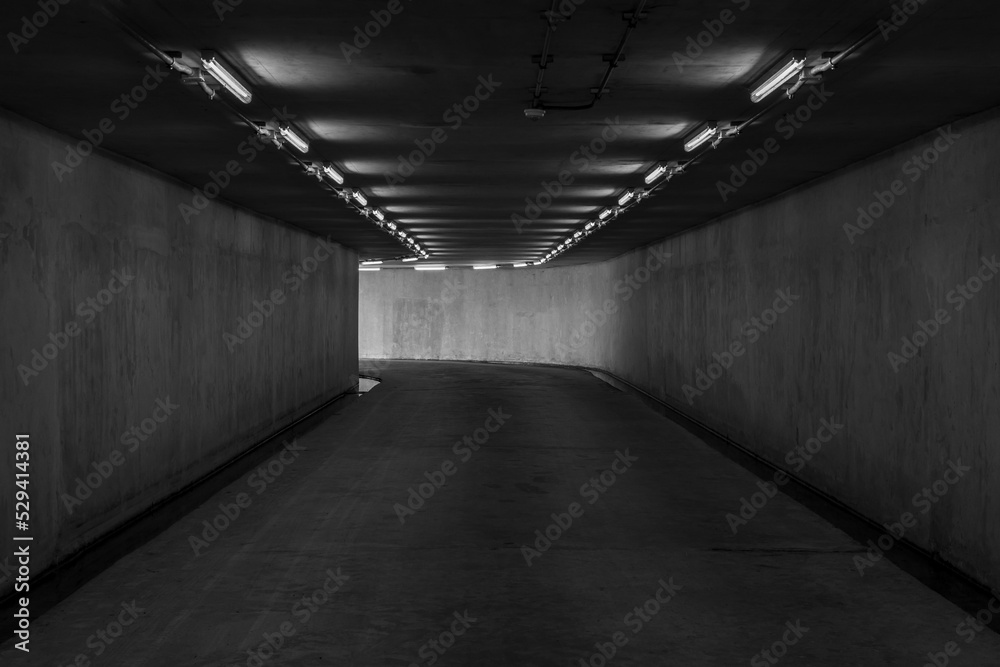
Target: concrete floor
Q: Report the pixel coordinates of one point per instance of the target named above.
(326, 520)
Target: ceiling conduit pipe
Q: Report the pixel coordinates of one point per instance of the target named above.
(637, 16)
(544, 60)
(169, 58)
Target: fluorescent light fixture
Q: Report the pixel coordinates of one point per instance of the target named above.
(577, 235)
(520, 265)
(391, 225)
(294, 139)
(333, 174)
(369, 269)
(626, 197)
(402, 234)
(429, 268)
(707, 132)
(379, 214)
(605, 213)
(658, 171)
(211, 62)
(410, 259)
(789, 66)
(590, 225)
(360, 197)
(485, 267)
(372, 262)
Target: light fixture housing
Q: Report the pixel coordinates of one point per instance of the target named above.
(485, 267)
(333, 174)
(410, 259)
(378, 214)
(360, 198)
(369, 268)
(294, 139)
(658, 170)
(590, 225)
(626, 197)
(213, 65)
(705, 133)
(786, 69)
(520, 265)
(605, 213)
(430, 268)
(372, 262)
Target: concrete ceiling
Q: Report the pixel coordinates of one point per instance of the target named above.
(940, 65)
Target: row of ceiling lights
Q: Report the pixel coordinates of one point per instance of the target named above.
(373, 265)
(789, 67)
(278, 133)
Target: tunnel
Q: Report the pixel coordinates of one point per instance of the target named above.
(589, 333)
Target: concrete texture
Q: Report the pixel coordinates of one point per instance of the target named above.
(849, 299)
(530, 315)
(148, 353)
(329, 509)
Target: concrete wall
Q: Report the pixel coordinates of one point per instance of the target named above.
(164, 294)
(851, 298)
(528, 315)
